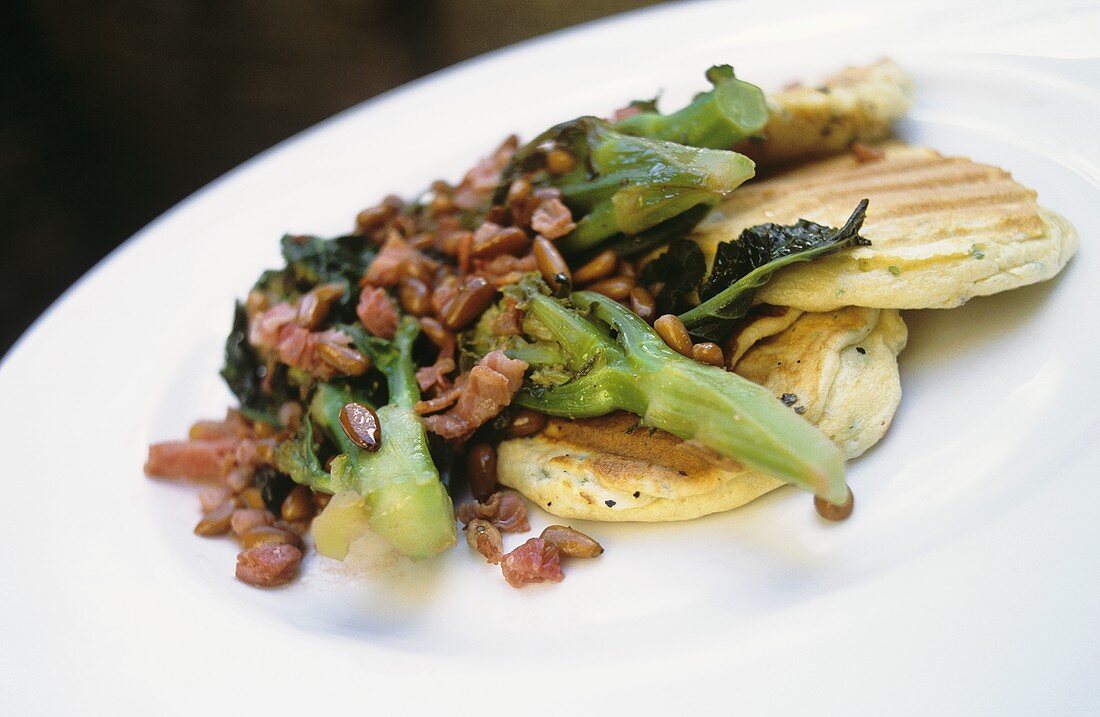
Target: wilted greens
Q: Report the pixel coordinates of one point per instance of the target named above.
(677, 272)
(742, 266)
(651, 177)
(246, 374)
(590, 356)
(395, 491)
(312, 260)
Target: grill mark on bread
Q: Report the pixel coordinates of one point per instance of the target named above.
(942, 230)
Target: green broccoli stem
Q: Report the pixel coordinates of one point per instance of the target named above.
(639, 183)
(717, 119)
(398, 486)
(637, 372)
(625, 185)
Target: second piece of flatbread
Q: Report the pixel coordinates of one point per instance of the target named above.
(857, 104)
(841, 366)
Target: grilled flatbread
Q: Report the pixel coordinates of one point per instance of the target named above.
(857, 104)
(838, 369)
(942, 230)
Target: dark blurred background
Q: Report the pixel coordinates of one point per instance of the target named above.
(112, 111)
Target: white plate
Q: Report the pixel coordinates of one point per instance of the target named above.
(966, 581)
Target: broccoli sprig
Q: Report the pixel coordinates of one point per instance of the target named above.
(624, 185)
(590, 356)
(394, 491)
(718, 118)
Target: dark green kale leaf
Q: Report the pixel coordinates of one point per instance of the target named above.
(311, 261)
(246, 374)
(743, 266)
(678, 272)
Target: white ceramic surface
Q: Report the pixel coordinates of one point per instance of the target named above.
(967, 581)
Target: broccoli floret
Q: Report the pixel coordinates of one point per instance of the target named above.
(395, 491)
(718, 119)
(624, 185)
(590, 356)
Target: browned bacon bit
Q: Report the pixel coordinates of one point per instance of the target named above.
(444, 400)
(865, 153)
(505, 509)
(268, 564)
(397, 259)
(483, 536)
(509, 322)
(552, 219)
(234, 426)
(477, 186)
(435, 376)
(301, 348)
(535, 561)
(488, 388)
(251, 453)
(202, 460)
(571, 543)
(264, 327)
(377, 312)
(361, 425)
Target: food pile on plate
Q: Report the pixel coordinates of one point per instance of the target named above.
(649, 317)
